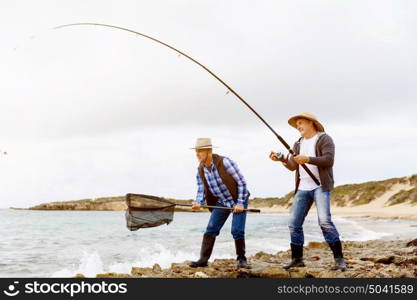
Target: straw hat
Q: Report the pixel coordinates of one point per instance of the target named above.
(292, 121)
(203, 143)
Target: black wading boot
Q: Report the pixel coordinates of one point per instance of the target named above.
(339, 262)
(297, 257)
(205, 252)
(241, 261)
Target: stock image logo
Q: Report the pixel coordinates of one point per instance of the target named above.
(11, 289)
(70, 288)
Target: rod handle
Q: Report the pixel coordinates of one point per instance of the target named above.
(222, 207)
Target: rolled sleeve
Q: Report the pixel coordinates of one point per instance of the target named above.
(200, 198)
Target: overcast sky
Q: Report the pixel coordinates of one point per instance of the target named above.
(91, 111)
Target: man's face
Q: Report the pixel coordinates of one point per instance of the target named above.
(202, 154)
(304, 126)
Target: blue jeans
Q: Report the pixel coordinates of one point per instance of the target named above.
(299, 210)
(218, 218)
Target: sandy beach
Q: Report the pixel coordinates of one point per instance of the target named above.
(373, 211)
(377, 208)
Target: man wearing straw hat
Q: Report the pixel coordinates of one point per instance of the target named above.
(316, 149)
(220, 183)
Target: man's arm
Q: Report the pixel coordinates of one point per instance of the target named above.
(201, 197)
(233, 170)
(290, 163)
(326, 160)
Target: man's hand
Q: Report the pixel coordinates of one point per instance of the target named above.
(238, 208)
(196, 206)
(272, 156)
(301, 159)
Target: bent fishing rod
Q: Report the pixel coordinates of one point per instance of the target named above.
(211, 73)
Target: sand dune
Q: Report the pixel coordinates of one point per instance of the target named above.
(376, 208)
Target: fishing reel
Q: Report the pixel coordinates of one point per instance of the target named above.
(280, 156)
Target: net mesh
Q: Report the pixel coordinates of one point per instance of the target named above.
(145, 211)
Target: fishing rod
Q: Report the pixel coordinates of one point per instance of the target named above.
(211, 73)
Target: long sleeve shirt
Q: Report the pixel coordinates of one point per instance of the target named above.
(218, 188)
(325, 150)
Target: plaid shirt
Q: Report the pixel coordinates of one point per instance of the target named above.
(218, 188)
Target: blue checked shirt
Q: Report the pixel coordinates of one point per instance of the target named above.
(218, 188)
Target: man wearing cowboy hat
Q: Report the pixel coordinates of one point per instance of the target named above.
(220, 183)
(316, 149)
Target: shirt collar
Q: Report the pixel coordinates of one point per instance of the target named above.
(209, 168)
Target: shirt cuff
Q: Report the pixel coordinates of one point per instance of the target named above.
(201, 202)
(312, 160)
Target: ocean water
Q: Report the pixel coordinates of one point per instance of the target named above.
(64, 243)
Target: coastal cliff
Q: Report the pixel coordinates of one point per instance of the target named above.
(104, 203)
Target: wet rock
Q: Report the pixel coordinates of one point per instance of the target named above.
(350, 244)
(392, 259)
(386, 260)
(301, 273)
(200, 275)
(260, 269)
(327, 273)
(113, 275)
(412, 243)
(143, 272)
(267, 272)
(315, 245)
(400, 260)
(156, 268)
(380, 259)
(262, 256)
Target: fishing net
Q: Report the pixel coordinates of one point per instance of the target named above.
(145, 211)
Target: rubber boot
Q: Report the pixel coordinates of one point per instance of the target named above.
(339, 262)
(205, 252)
(241, 261)
(296, 257)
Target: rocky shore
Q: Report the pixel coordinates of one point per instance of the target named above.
(377, 258)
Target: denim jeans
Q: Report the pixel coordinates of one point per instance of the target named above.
(299, 210)
(218, 218)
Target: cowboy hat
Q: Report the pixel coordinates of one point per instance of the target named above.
(203, 143)
(292, 121)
